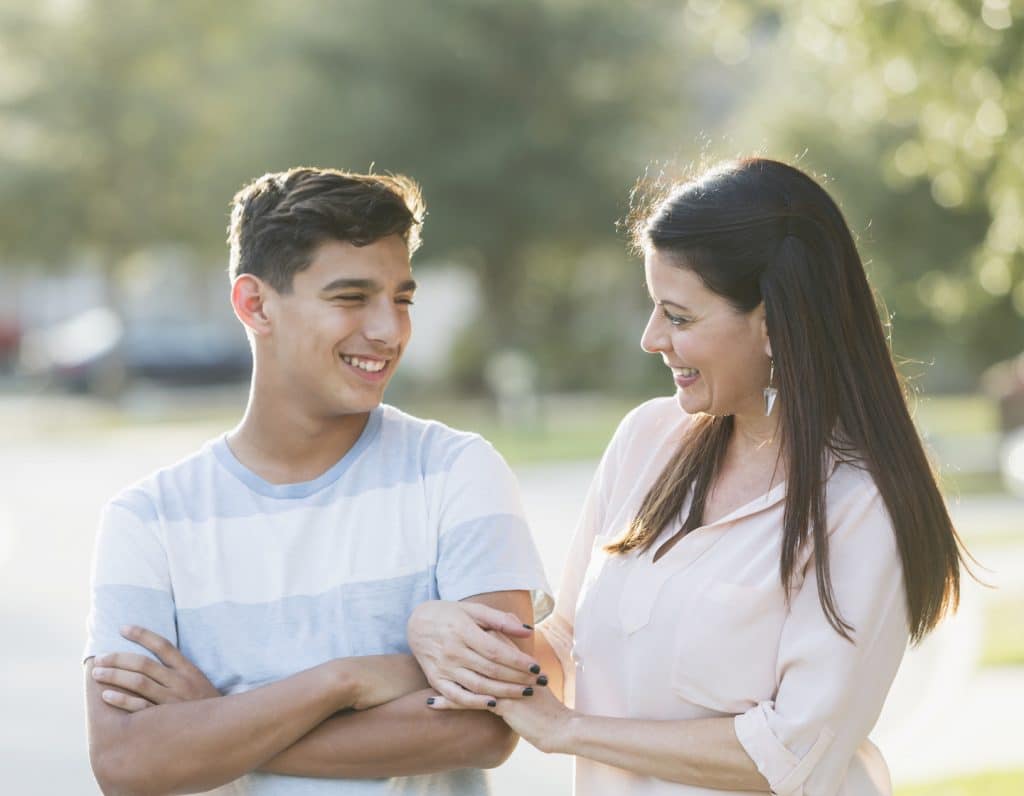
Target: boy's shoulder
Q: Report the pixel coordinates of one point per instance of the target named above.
(144, 497)
(426, 438)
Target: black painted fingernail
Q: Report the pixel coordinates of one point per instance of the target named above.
(430, 700)
(535, 669)
(528, 691)
(542, 680)
(492, 704)
(528, 627)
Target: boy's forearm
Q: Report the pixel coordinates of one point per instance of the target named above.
(401, 738)
(193, 746)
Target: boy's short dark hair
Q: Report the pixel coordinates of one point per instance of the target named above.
(278, 220)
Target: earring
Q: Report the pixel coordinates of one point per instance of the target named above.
(770, 392)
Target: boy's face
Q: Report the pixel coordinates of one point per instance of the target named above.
(338, 336)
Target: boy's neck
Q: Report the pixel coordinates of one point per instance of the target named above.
(283, 444)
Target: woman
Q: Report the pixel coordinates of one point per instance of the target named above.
(748, 570)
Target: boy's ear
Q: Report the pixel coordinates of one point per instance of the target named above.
(248, 299)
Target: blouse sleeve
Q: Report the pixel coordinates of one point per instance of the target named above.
(831, 691)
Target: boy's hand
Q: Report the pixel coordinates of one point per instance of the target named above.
(145, 682)
(377, 679)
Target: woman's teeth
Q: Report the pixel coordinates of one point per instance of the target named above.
(688, 373)
(369, 365)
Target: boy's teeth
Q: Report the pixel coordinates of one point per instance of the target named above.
(369, 365)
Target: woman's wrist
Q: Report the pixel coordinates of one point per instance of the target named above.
(568, 738)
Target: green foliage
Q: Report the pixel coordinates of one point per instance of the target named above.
(914, 110)
(125, 126)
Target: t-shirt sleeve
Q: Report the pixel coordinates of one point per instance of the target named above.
(131, 582)
(484, 542)
(831, 691)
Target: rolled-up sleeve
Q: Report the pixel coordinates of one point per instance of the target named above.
(830, 691)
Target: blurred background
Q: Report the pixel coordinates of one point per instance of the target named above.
(125, 127)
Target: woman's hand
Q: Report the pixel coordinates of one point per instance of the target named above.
(147, 682)
(467, 664)
(543, 721)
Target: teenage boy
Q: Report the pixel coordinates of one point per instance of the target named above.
(249, 603)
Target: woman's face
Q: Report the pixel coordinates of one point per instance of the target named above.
(719, 357)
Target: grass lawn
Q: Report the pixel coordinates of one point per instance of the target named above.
(1002, 783)
(1004, 633)
(955, 415)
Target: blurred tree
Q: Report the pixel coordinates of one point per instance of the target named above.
(916, 109)
(526, 123)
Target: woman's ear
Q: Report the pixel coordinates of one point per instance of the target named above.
(762, 319)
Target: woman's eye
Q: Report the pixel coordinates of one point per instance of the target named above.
(675, 320)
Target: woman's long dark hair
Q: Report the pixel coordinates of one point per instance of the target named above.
(758, 230)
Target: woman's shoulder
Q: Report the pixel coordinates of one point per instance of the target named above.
(649, 427)
(855, 502)
(657, 414)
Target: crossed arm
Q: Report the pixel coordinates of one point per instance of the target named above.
(352, 717)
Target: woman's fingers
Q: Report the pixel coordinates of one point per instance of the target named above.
(493, 619)
(460, 697)
(135, 682)
(499, 672)
(473, 682)
(128, 702)
(503, 653)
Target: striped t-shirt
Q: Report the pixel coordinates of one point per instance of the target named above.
(257, 581)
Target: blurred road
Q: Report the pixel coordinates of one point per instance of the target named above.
(942, 717)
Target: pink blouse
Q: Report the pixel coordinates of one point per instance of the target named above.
(706, 631)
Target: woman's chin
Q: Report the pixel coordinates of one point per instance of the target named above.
(691, 404)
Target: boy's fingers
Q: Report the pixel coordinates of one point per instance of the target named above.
(134, 682)
(131, 704)
(132, 662)
(155, 643)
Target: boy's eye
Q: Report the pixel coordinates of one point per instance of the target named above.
(350, 297)
(407, 301)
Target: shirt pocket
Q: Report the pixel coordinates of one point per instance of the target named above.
(725, 651)
(595, 604)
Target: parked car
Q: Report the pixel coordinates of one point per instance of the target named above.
(95, 352)
(10, 341)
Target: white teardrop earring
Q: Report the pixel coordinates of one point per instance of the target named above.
(770, 392)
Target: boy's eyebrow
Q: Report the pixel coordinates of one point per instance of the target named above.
(369, 285)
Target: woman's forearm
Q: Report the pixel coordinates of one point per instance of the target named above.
(700, 752)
